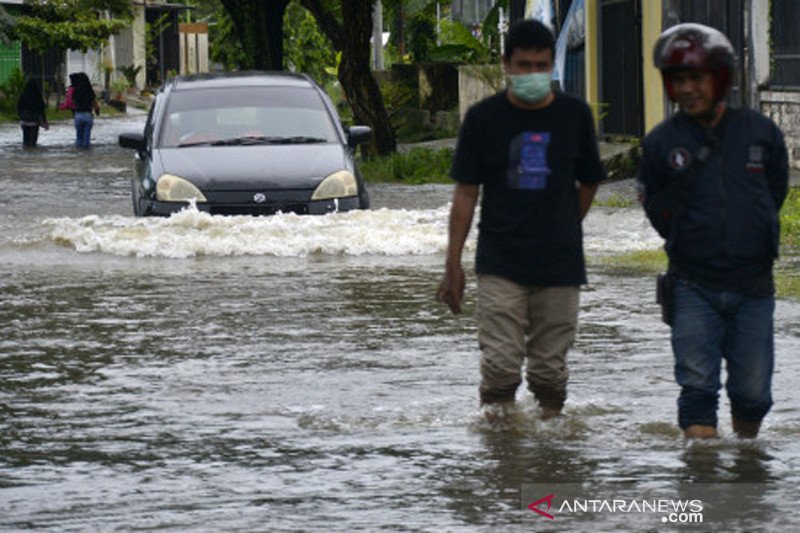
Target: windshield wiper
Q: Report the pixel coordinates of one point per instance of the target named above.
(251, 139)
(300, 139)
(195, 143)
(257, 139)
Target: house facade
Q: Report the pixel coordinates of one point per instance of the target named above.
(604, 54)
(157, 41)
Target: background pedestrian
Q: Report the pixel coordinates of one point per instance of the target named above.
(32, 114)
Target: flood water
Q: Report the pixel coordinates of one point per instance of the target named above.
(287, 373)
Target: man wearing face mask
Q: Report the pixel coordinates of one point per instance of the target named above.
(535, 154)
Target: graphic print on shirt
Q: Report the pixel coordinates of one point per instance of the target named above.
(755, 161)
(527, 161)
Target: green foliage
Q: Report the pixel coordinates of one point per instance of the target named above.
(70, 24)
(120, 85)
(790, 219)
(10, 90)
(419, 165)
(130, 72)
(225, 46)
(306, 49)
(615, 200)
(421, 33)
(6, 26)
(335, 92)
(396, 96)
(642, 261)
(459, 45)
(490, 34)
(787, 282)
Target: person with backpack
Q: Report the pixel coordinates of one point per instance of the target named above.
(712, 180)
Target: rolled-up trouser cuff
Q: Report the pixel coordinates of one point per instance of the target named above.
(697, 407)
(498, 395)
(750, 411)
(549, 397)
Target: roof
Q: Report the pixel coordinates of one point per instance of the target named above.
(242, 79)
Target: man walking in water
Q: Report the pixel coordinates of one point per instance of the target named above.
(535, 154)
(713, 180)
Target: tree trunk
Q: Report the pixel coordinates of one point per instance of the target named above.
(360, 87)
(259, 24)
(400, 29)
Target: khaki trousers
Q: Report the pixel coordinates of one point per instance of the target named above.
(518, 323)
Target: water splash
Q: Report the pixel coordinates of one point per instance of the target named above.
(192, 233)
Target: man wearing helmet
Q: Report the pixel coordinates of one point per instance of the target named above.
(713, 180)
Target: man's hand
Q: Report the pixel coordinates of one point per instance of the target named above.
(451, 290)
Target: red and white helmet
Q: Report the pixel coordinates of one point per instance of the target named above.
(692, 46)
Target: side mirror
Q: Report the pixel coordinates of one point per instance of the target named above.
(357, 135)
(133, 140)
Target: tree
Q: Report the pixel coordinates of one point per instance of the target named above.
(70, 24)
(348, 25)
(306, 48)
(259, 24)
(6, 26)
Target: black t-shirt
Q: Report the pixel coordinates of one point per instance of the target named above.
(528, 163)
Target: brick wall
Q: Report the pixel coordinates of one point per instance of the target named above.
(783, 107)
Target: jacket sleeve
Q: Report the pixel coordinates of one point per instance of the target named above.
(778, 169)
(655, 194)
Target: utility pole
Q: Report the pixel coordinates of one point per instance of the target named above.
(377, 36)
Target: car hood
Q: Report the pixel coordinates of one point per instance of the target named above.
(254, 167)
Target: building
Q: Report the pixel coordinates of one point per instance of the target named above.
(157, 41)
(604, 54)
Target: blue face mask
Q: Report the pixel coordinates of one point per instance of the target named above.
(531, 87)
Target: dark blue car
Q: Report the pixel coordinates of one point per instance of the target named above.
(254, 143)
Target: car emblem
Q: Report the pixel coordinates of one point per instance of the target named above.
(259, 198)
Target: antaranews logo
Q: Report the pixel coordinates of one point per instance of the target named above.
(674, 511)
(535, 506)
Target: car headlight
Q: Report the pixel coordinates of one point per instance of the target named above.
(337, 185)
(170, 188)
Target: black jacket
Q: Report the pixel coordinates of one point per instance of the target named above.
(715, 196)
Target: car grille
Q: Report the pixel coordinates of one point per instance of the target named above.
(256, 210)
(242, 202)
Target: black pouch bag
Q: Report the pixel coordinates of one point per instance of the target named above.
(664, 291)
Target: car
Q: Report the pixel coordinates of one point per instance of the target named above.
(245, 143)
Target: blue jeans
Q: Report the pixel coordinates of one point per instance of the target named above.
(83, 129)
(709, 326)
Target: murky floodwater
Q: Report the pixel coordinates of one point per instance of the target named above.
(290, 373)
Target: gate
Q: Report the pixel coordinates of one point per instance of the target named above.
(621, 98)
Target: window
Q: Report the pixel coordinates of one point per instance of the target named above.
(785, 43)
(197, 116)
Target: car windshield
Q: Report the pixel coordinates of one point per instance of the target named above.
(246, 116)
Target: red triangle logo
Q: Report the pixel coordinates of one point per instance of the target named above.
(535, 506)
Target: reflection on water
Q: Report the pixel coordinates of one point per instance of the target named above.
(293, 373)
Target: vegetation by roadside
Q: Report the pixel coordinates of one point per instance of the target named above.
(417, 166)
(787, 280)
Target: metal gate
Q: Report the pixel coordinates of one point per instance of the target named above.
(621, 98)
